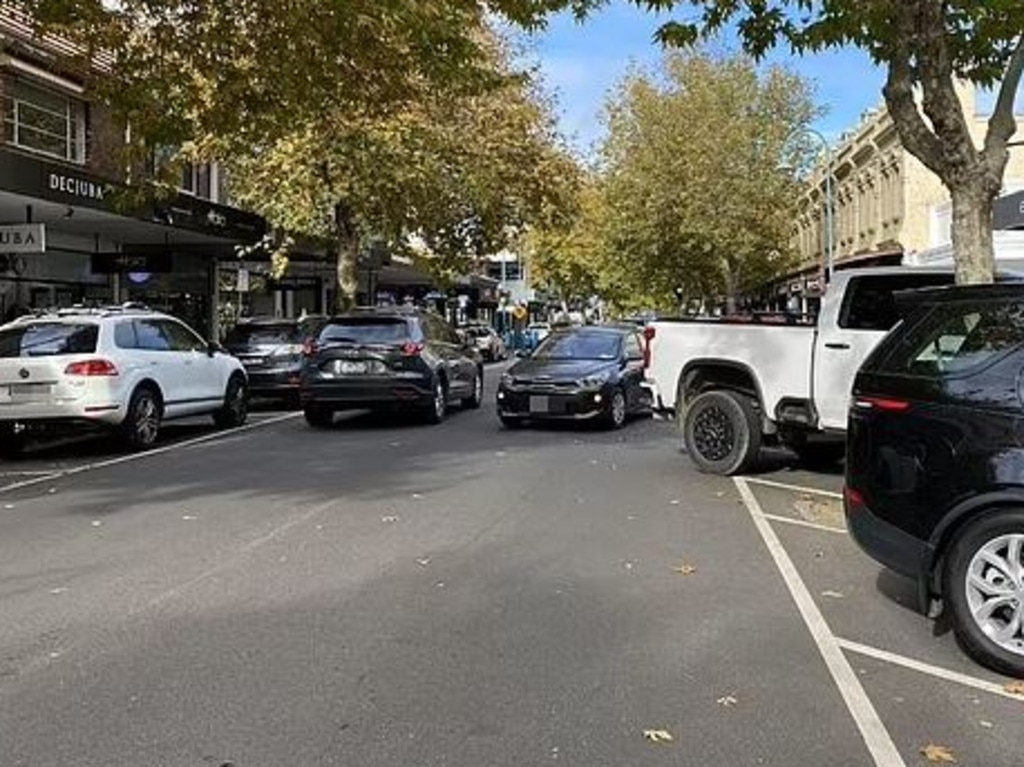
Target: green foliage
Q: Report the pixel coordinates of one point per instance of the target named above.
(699, 192)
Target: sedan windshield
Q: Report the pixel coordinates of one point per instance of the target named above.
(579, 346)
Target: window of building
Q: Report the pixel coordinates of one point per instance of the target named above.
(45, 121)
(513, 271)
(196, 179)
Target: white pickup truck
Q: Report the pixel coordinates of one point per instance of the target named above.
(735, 386)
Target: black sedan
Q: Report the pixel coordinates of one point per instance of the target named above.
(270, 348)
(581, 374)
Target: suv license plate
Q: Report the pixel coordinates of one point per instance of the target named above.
(539, 404)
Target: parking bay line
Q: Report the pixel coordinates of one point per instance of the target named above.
(795, 488)
(62, 473)
(927, 668)
(876, 737)
(804, 523)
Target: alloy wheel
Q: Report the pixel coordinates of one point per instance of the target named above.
(618, 409)
(994, 586)
(713, 433)
(146, 419)
(440, 404)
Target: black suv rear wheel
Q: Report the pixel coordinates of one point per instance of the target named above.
(318, 416)
(983, 586)
(436, 410)
(476, 399)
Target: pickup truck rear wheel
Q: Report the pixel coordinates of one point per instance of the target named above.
(721, 432)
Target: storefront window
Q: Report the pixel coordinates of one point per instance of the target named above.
(195, 179)
(46, 122)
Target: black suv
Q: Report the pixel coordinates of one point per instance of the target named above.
(935, 461)
(383, 358)
(270, 348)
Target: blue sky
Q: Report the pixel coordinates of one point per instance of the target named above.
(581, 62)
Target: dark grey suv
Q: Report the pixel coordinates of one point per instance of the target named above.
(387, 358)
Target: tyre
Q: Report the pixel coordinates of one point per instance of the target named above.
(437, 408)
(722, 432)
(317, 416)
(141, 426)
(235, 410)
(616, 416)
(983, 587)
(510, 422)
(12, 442)
(476, 399)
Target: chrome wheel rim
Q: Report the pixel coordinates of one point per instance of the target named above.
(478, 388)
(618, 409)
(995, 591)
(713, 434)
(147, 421)
(439, 402)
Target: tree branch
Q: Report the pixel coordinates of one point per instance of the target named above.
(939, 98)
(1003, 124)
(914, 133)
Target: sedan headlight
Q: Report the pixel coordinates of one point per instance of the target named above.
(595, 380)
(507, 380)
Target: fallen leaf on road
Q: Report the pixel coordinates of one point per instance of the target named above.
(720, 494)
(500, 454)
(394, 444)
(987, 725)
(389, 518)
(674, 502)
(189, 517)
(938, 754)
(658, 736)
(685, 569)
(417, 496)
(96, 523)
(439, 585)
(628, 565)
(832, 594)
(728, 700)
(52, 490)
(58, 590)
(593, 463)
(819, 554)
(1015, 688)
(8, 506)
(423, 561)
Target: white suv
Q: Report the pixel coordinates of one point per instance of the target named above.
(122, 367)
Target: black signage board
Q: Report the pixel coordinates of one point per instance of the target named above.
(160, 262)
(1008, 212)
(69, 185)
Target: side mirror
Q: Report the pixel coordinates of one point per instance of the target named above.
(522, 353)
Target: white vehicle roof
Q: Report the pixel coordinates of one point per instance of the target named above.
(79, 313)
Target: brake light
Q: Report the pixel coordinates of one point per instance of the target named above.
(310, 347)
(854, 498)
(98, 367)
(885, 404)
(649, 334)
(412, 349)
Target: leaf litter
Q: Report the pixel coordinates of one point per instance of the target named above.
(658, 736)
(938, 754)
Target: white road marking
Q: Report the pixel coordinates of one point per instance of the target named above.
(795, 488)
(61, 473)
(876, 737)
(805, 523)
(928, 668)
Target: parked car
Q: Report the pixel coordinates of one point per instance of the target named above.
(578, 375)
(735, 385)
(935, 463)
(126, 369)
(270, 348)
(487, 342)
(382, 358)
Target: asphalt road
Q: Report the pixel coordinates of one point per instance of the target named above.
(382, 594)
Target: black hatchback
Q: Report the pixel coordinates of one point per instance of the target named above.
(935, 461)
(582, 374)
(385, 359)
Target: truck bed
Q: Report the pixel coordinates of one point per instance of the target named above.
(778, 356)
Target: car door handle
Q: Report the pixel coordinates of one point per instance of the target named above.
(834, 345)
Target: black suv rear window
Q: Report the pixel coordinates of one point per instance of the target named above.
(46, 339)
(366, 330)
(264, 334)
(959, 338)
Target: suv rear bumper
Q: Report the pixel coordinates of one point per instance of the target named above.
(364, 393)
(892, 547)
(78, 412)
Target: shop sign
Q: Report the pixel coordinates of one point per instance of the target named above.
(23, 238)
(132, 263)
(75, 186)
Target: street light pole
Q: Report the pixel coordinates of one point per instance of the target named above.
(830, 202)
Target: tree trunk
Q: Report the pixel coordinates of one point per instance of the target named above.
(973, 251)
(347, 272)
